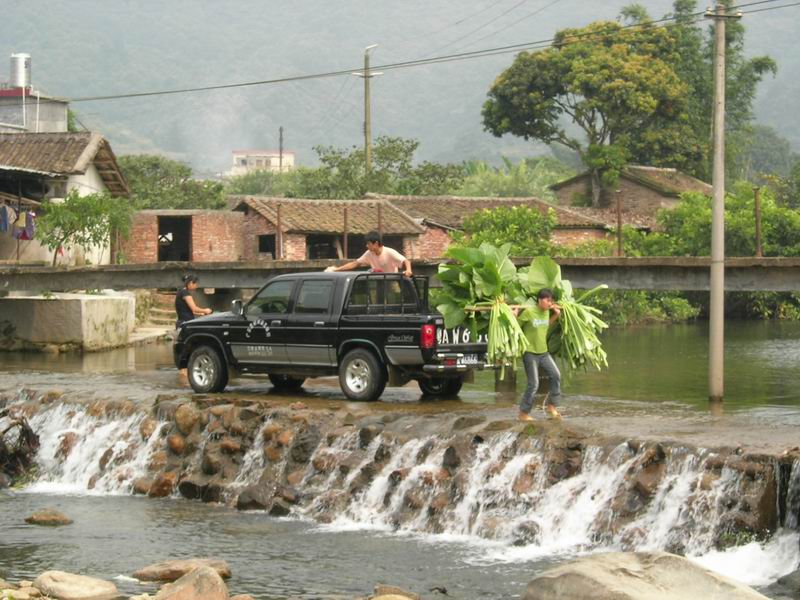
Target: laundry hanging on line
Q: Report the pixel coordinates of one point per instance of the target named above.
(8, 217)
(25, 226)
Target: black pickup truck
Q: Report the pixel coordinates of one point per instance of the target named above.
(370, 329)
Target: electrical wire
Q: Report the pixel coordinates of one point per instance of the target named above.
(511, 48)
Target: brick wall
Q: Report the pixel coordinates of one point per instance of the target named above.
(141, 245)
(294, 246)
(217, 236)
(432, 243)
(635, 197)
(254, 225)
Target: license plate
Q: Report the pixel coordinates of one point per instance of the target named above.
(456, 337)
(469, 359)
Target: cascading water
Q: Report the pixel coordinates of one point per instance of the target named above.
(82, 453)
(524, 496)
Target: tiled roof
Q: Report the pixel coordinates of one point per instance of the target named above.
(327, 216)
(669, 182)
(450, 211)
(61, 154)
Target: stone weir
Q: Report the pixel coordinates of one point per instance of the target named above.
(468, 474)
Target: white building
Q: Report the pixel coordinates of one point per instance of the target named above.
(39, 167)
(23, 108)
(247, 161)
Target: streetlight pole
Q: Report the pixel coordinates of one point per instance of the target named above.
(716, 351)
(367, 75)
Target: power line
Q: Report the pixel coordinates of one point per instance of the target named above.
(532, 45)
(758, 10)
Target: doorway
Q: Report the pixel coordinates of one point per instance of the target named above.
(174, 239)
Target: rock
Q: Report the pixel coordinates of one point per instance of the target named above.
(466, 422)
(273, 454)
(158, 460)
(186, 417)
(16, 594)
(66, 444)
(202, 583)
(176, 443)
(67, 586)
(635, 576)
(285, 438)
(367, 434)
(195, 488)
(5, 481)
(298, 405)
(451, 459)
(270, 431)
(211, 463)
(163, 485)
(171, 570)
(255, 497)
(526, 533)
(647, 480)
(105, 458)
(48, 516)
(295, 477)
(304, 445)
(279, 508)
(242, 597)
(324, 462)
(230, 446)
(390, 590)
(147, 427)
(141, 486)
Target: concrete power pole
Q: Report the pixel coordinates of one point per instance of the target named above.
(716, 339)
(280, 149)
(367, 75)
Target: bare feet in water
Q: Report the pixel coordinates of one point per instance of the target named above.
(524, 416)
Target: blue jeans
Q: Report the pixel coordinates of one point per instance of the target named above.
(532, 363)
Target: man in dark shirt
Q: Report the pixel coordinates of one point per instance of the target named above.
(187, 310)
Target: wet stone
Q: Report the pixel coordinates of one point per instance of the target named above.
(48, 517)
(279, 508)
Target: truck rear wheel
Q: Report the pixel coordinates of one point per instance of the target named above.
(441, 386)
(207, 373)
(361, 376)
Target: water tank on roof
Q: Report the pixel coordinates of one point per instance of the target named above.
(20, 70)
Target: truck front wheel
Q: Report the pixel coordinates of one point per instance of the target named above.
(441, 386)
(207, 372)
(361, 376)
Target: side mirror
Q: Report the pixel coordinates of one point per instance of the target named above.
(237, 308)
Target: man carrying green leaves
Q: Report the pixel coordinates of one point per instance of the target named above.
(536, 320)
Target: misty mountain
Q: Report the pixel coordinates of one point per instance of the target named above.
(94, 47)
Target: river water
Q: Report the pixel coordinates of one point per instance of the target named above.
(652, 371)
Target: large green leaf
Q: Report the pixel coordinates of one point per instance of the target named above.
(469, 256)
(544, 272)
(453, 314)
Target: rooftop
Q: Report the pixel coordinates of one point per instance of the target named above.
(62, 154)
(666, 181)
(299, 215)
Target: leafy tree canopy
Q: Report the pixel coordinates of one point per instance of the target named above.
(85, 221)
(159, 182)
(525, 228)
(609, 81)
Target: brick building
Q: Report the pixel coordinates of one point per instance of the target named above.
(644, 191)
(184, 235)
(442, 215)
(316, 228)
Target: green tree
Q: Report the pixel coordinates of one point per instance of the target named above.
(85, 221)
(689, 146)
(529, 177)
(761, 152)
(159, 182)
(610, 81)
(527, 229)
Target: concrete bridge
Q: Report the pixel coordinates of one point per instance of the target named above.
(651, 273)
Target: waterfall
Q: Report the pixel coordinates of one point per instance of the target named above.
(82, 453)
(793, 498)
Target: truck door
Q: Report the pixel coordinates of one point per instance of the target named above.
(260, 341)
(311, 333)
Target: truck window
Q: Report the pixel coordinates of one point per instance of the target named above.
(366, 296)
(314, 297)
(273, 299)
(400, 297)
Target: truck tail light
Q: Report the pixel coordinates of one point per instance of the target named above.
(428, 338)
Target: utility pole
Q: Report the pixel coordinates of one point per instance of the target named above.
(757, 209)
(716, 338)
(367, 75)
(620, 251)
(280, 149)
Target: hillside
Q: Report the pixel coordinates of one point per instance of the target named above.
(95, 47)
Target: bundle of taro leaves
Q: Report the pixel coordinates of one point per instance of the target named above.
(478, 288)
(476, 292)
(574, 336)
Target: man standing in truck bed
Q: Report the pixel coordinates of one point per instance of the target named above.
(378, 258)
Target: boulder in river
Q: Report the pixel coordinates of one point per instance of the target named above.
(49, 517)
(635, 576)
(171, 570)
(200, 584)
(68, 586)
